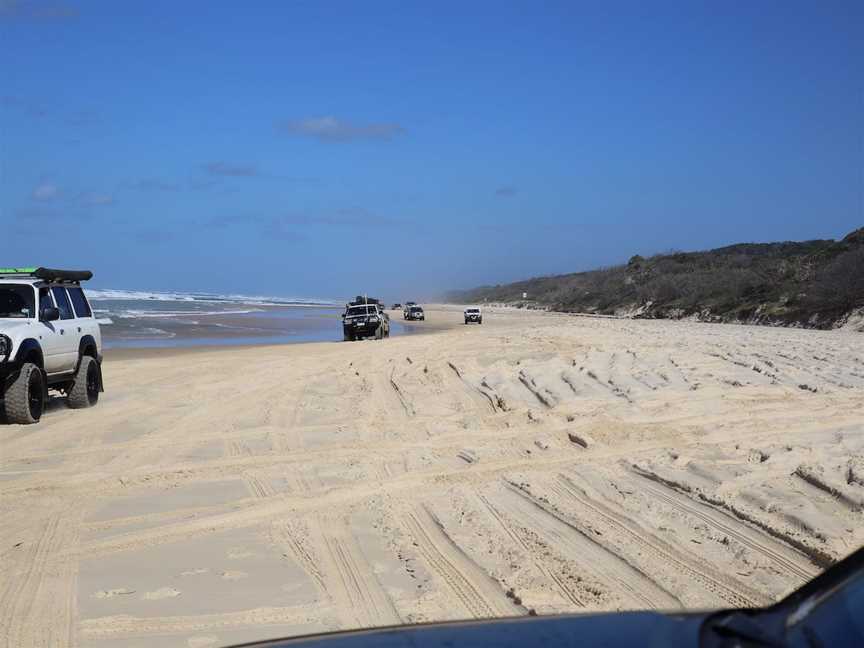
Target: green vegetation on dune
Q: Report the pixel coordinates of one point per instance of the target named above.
(812, 283)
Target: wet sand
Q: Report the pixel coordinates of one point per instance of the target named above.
(539, 462)
(254, 325)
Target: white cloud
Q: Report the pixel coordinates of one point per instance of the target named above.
(235, 170)
(45, 192)
(506, 191)
(154, 184)
(96, 200)
(36, 10)
(331, 129)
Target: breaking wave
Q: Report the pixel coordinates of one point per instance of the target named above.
(108, 294)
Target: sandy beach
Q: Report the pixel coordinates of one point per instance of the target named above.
(538, 463)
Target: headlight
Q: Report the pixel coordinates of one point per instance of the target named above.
(5, 347)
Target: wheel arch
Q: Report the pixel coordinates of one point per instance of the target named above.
(30, 351)
(87, 347)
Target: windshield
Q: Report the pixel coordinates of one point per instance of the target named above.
(17, 301)
(472, 311)
(362, 310)
(416, 309)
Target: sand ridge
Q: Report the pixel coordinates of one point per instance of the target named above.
(539, 463)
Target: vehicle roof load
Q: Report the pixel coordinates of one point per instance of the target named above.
(361, 301)
(47, 274)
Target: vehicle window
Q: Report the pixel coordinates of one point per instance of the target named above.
(82, 308)
(16, 300)
(45, 300)
(361, 310)
(62, 303)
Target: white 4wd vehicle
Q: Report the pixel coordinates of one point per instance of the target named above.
(48, 339)
(473, 315)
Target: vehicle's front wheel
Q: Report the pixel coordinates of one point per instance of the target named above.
(379, 333)
(347, 337)
(25, 398)
(85, 387)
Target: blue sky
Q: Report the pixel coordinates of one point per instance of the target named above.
(329, 148)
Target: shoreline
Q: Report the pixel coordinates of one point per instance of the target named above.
(121, 353)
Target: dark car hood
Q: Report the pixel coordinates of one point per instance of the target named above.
(624, 630)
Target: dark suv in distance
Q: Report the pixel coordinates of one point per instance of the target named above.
(365, 319)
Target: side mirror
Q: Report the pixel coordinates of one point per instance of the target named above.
(49, 314)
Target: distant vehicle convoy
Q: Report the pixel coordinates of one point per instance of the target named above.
(473, 315)
(49, 339)
(363, 318)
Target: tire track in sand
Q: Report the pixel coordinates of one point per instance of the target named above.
(480, 594)
(733, 593)
(38, 600)
(359, 587)
(539, 565)
(477, 395)
(259, 487)
(782, 557)
(329, 554)
(620, 578)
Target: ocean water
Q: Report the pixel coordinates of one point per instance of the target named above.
(136, 319)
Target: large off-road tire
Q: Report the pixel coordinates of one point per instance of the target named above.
(379, 333)
(347, 337)
(85, 386)
(25, 398)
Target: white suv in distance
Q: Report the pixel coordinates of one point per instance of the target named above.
(49, 339)
(473, 315)
(415, 312)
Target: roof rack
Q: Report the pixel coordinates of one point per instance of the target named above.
(46, 274)
(362, 300)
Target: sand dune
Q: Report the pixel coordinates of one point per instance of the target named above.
(540, 463)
